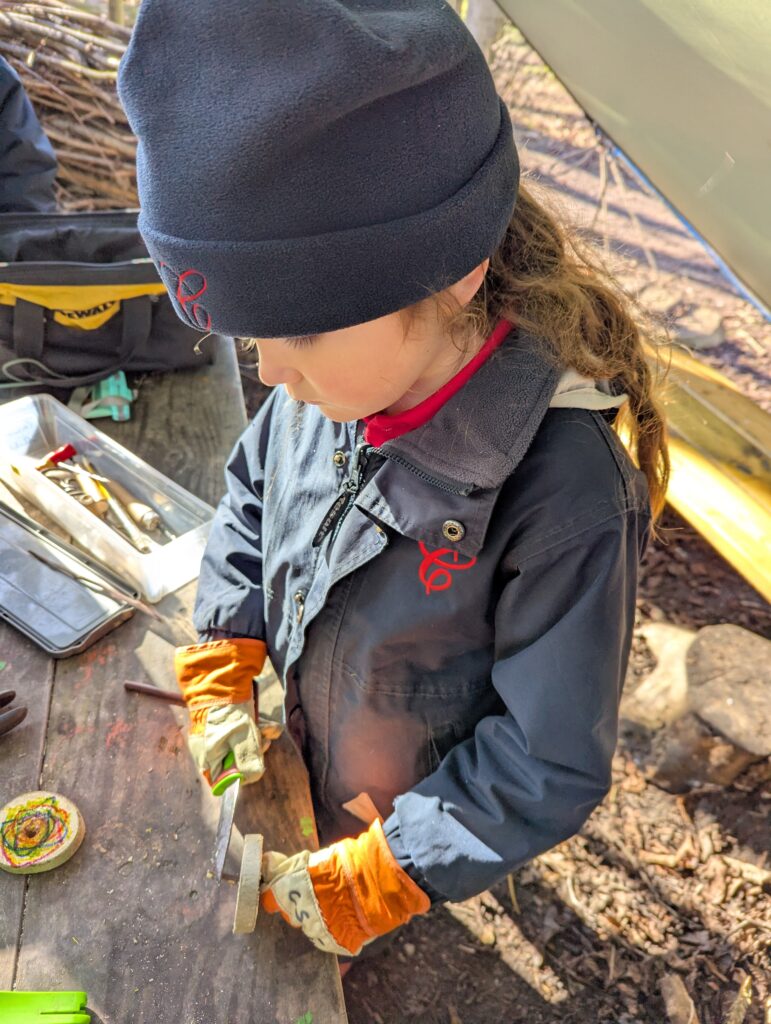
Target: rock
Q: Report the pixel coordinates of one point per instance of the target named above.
(729, 685)
(679, 1005)
(688, 753)
(660, 297)
(709, 697)
(409, 949)
(701, 328)
(662, 696)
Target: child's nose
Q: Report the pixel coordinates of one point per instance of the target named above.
(272, 368)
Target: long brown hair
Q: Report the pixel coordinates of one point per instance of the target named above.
(547, 280)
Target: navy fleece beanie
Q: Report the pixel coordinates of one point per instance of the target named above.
(307, 165)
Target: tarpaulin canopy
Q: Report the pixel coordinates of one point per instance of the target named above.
(684, 88)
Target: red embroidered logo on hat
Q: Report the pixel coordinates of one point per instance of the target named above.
(437, 567)
(189, 286)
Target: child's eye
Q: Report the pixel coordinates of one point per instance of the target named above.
(301, 340)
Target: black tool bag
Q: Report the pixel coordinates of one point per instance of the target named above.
(81, 299)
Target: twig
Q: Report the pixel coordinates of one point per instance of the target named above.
(603, 185)
(669, 860)
(749, 872)
(512, 893)
(573, 898)
(58, 10)
(38, 55)
(67, 59)
(617, 177)
(742, 1003)
(749, 922)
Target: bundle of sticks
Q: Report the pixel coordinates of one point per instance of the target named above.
(68, 59)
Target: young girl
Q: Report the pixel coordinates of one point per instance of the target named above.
(431, 531)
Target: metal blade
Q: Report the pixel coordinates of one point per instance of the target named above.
(228, 802)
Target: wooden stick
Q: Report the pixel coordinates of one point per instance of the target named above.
(153, 691)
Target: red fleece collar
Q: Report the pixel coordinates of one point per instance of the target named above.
(381, 427)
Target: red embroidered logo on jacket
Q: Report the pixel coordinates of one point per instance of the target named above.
(437, 567)
(189, 286)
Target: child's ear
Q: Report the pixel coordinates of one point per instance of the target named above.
(464, 290)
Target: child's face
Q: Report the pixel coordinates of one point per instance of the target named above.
(370, 367)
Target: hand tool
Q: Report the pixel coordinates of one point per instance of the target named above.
(140, 540)
(12, 717)
(75, 469)
(89, 486)
(70, 485)
(52, 459)
(44, 1008)
(227, 786)
(250, 874)
(141, 513)
(227, 777)
(100, 587)
(153, 691)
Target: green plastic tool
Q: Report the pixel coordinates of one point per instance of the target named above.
(44, 1008)
(227, 777)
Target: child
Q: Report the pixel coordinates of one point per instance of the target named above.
(430, 529)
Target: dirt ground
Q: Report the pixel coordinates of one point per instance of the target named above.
(596, 929)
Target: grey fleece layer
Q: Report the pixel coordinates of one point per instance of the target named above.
(467, 680)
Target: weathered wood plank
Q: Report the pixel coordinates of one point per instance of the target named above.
(29, 671)
(134, 918)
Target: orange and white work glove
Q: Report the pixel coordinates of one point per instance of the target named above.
(217, 682)
(343, 896)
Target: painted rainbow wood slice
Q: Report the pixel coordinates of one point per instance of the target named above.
(38, 832)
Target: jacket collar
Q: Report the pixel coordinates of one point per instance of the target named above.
(453, 466)
(480, 435)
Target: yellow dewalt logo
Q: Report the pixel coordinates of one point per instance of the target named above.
(89, 318)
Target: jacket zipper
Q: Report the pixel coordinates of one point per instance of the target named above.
(344, 501)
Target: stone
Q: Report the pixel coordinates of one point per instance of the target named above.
(729, 685)
(660, 297)
(662, 696)
(707, 703)
(688, 753)
(700, 328)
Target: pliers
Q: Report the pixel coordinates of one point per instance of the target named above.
(11, 717)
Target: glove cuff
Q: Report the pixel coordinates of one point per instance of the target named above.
(219, 672)
(361, 890)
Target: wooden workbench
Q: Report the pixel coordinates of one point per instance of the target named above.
(135, 918)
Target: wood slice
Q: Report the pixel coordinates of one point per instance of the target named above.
(248, 895)
(38, 832)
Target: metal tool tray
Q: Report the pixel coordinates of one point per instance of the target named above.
(60, 614)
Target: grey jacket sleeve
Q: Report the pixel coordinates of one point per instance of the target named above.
(531, 776)
(27, 160)
(230, 599)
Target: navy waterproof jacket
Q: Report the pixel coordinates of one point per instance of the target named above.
(27, 160)
(451, 612)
